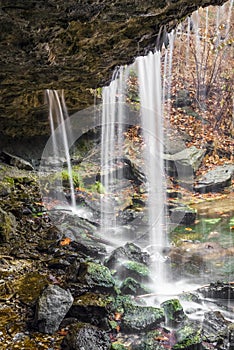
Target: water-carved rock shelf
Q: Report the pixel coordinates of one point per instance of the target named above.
(72, 46)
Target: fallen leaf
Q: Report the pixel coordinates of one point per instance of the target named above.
(65, 241)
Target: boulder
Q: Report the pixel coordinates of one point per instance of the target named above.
(129, 251)
(138, 271)
(91, 307)
(86, 337)
(188, 336)
(215, 180)
(133, 287)
(218, 290)
(141, 318)
(215, 330)
(183, 215)
(184, 163)
(96, 276)
(174, 312)
(52, 307)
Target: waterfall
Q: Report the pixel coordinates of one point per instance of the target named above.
(149, 75)
(57, 116)
(113, 98)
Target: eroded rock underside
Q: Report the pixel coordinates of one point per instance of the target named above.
(75, 46)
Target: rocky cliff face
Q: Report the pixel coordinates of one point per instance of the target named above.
(72, 45)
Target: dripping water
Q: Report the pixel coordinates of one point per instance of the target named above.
(57, 117)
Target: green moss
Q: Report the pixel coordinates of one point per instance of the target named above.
(122, 303)
(174, 312)
(142, 318)
(133, 287)
(77, 181)
(189, 335)
(97, 187)
(118, 346)
(139, 268)
(96, 274)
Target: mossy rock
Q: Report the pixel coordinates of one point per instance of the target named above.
(141, 318)
(138, 271)
(188, 336)
(118, 346)
(174, 312)
(129, 251)
(96, 277)
(133, 287)
(93, 308)
(121, 303)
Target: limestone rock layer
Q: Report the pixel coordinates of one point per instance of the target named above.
(72, 45)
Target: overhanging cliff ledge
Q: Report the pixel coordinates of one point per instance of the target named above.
(72, 45)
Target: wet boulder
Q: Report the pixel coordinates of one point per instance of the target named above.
(92, 308)
(96, 277)
(138, 271)
(141, 318)
(215, 330)
(132, 287)
(188, 336)
(174, 312)
(215, 180)
(129, 251)
(129, 261)
(218, 290)
(52, 307)
(86, 337)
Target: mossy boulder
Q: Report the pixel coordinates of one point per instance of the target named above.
(141, 319)
(188, 336)
(174, 312)
(96, 276)
(138, 271)
(133, 287)
(129, 251)
(91, 307)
